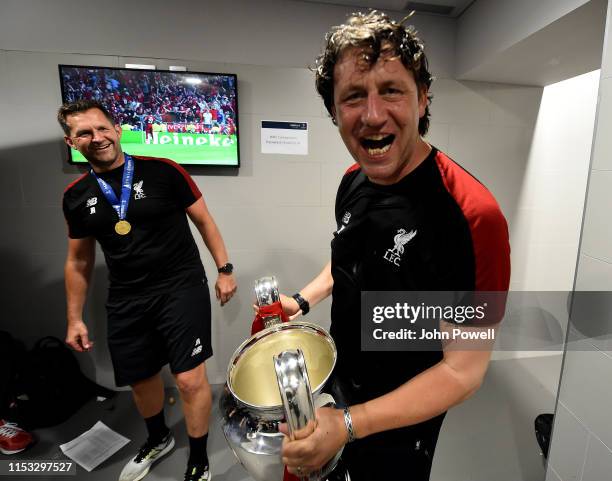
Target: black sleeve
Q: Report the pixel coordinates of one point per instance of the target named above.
(76, 229)
(340, 196)
(350, 181)
(183, 185)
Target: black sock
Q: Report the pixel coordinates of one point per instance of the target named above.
(197, 450)
(156, 427)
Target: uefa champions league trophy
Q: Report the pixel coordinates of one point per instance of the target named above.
(277, 375)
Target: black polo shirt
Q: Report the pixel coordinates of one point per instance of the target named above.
(159, 254)
(437, 229)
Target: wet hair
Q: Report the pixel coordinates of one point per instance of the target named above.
(379, 37)
(71, 108)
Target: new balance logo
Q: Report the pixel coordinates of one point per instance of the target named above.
(198, 348)
(345, 220)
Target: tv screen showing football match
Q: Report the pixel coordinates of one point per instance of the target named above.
(189, 117)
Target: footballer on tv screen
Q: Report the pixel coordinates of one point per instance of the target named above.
(189, 117)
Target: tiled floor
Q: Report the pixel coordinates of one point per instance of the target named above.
(488, 437)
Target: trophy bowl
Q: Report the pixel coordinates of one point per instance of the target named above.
(251, 404)
(251, 376)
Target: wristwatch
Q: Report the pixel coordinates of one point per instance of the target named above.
(303, 303)
(227, 268)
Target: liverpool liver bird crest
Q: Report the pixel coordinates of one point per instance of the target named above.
(401, 239)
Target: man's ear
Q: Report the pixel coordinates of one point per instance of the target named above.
(423, 100)
(333, 115)
(69, 142)
(119, 130)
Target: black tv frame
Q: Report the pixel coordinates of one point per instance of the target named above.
(188, 72)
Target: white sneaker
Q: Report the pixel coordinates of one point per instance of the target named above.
(138, 467)
(196, 472)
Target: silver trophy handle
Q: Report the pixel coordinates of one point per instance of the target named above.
(294, 388)
(266, 293)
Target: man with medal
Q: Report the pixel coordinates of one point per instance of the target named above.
(158, 307)
(408, 219)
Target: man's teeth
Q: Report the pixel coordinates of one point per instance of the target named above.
(380, 151)
(376, 137)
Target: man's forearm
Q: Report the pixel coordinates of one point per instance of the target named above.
(204, 222)
(77, 275)
(424, 397)
(214, 242)
(320, 287)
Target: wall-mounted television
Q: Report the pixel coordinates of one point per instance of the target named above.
(189, 117)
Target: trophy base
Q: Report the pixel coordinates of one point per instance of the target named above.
(257, 443)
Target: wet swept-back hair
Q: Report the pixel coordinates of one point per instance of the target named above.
(378, 35)
(71, 108)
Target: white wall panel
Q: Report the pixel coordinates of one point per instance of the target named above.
(598, 464)
(602, 148)
(568, 455)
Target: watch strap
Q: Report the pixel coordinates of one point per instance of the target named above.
(226, 268)
(303, 303)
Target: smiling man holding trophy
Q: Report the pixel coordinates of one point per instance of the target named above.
(408, 219)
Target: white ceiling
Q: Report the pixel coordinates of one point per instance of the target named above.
(569, 46)
(454, 7)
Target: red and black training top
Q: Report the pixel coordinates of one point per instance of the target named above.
(159, 254)
(437, 229)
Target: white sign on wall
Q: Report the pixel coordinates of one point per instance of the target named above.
(284, 137)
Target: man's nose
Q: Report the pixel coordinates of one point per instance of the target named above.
(374, 112)
(97, 136)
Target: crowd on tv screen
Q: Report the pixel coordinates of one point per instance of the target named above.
(148, 101)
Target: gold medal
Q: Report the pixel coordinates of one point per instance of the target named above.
(123, 227)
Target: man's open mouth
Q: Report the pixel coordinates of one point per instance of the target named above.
(377, 144)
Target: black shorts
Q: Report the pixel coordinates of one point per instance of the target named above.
(145, 333)
(400, 454)
(404, 454)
